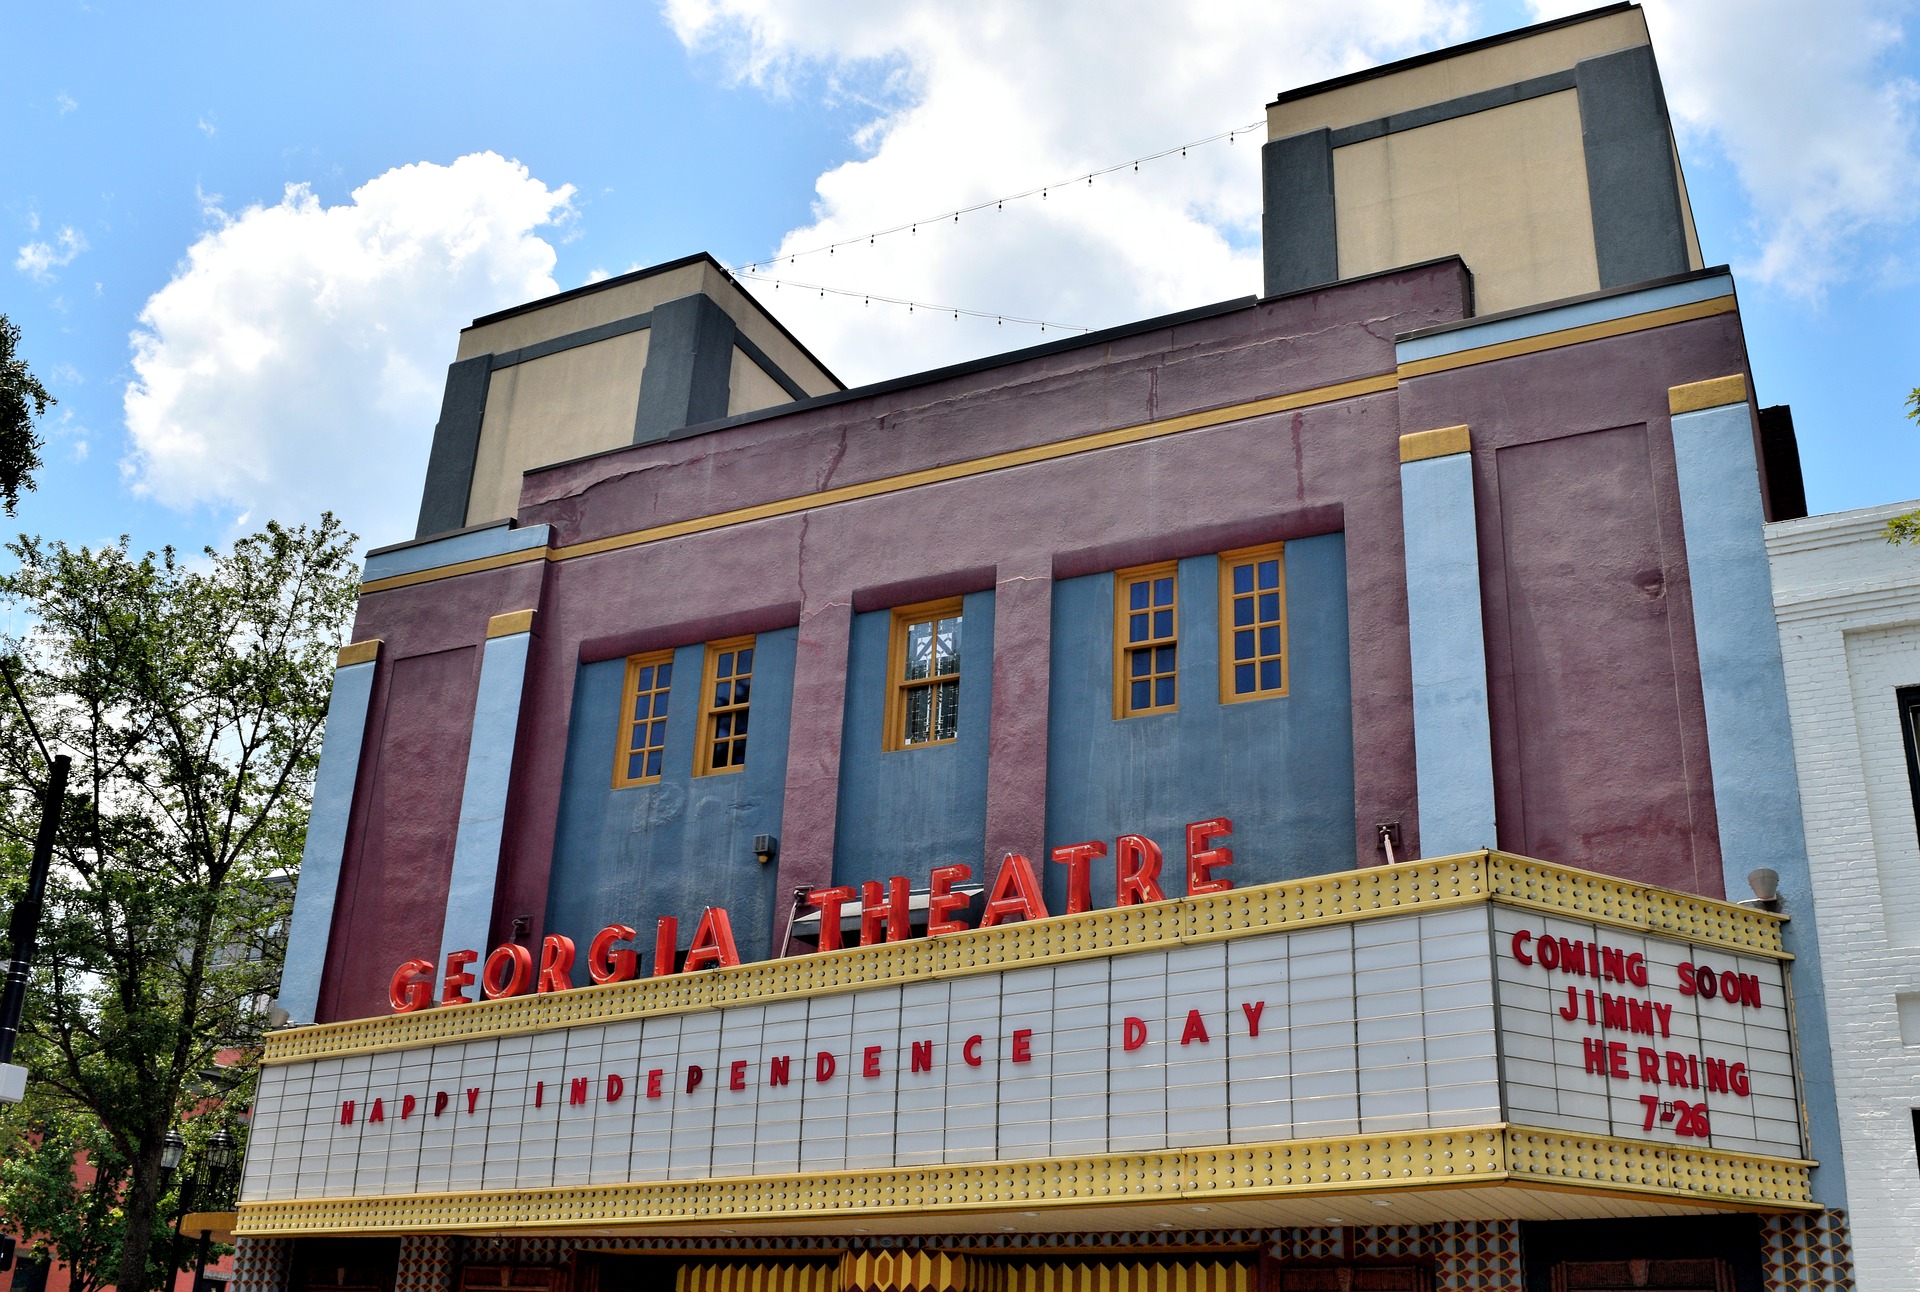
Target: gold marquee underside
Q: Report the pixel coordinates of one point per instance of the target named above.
(1503, 1165)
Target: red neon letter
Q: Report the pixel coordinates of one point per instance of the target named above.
(1078, 858)
(409, 991)
(666, 943)
(556, 963)
(830, 900)
(892, 909)
(1136, 862)
(457, 978)
(1520, 941)
(516, 962)
(941, 899)
(604, 964)
(1203, 860)
(712, 941)
(1015, 895)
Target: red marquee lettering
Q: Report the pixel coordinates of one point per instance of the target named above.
(666, 945)
(1520, 941)
(654, 1079)
(870, 1061)
(346, 1112)
(893, 911)
(440, 1102)
(556, 963)
(829, 901)
(695, 1075)
(970, 1052)
(1133, 1034)
(409, 990)
(737, 1075)
(1078, 859)
(712, 941)
(1203, 859)
(922, 1056)
(941, 899)
(379, 1113)
(1195, 1030)
(1016, 893)
(604, 964)
(780, 1070)
(1253, 1011)
(407, 1104)
(473, 1098)
(616, 1086)
(1023, 1045)
(512, 960)
(824, 1065)
(457, 978)
(1136, 867)
(577, 1093)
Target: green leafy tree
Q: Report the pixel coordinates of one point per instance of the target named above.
(191, 698)
(1905, 528)
(22, 400)
(61, 1182)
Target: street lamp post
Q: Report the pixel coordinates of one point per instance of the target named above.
(171, 1154)
(219, 1158)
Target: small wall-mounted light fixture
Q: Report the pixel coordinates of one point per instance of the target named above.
(1766, 889)
(522, 925)
(766, 847)
(1386, 837)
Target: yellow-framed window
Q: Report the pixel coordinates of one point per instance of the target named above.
(1146, 640)
(923, 675)
(1253, 623)
(643, 719)
(726, 693)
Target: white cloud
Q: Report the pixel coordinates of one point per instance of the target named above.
(296, 359)
(1819, 125)
(38, 260)
(207, 127)
(64, 102)
(971, 100)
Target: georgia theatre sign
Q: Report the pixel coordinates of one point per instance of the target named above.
(1465, 1016)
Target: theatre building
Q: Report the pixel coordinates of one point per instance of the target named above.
(1255, 800)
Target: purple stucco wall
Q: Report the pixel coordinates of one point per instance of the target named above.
(1319, 469)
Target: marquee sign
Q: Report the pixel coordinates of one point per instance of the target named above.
(1471, 1015)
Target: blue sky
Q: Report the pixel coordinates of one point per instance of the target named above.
(293, 346)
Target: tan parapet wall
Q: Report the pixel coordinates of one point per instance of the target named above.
(1489, 68)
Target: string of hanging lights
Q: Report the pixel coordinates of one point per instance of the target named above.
(913, 307)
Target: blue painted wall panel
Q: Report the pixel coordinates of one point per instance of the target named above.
(483, 795)
(1743, 684)
(906, 811)
(1281, 768)
(672, 848)
(326, 845)
(1452, 729)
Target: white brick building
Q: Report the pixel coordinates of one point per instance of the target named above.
(1848, 605)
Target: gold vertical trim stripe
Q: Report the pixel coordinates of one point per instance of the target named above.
(1696, 395)
(358, 652)
(514, 621)
(1569, 336)
(1499, 1154)
(1418, 446)
(1469, 879)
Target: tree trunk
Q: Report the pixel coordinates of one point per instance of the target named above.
(144, 1189)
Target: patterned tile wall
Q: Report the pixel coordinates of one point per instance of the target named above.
(1809, 1253)
(426, 1264)
(260, 1264)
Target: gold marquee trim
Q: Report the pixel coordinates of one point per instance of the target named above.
(1500, 1154)
(1409, 887)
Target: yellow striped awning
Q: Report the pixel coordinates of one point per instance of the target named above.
(904, 1271)
(758, 1276)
